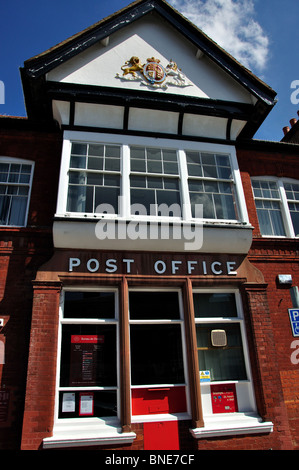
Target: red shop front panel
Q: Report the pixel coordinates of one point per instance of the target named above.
(158, 400)
(224, 398)
(162, 435)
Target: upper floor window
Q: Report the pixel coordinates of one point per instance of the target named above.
(154, 178)
(143, 177)
(15, 186)
(211, 184)
(277, 205)
(94, 177)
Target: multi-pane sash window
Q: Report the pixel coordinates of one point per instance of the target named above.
(145, 177)
(154, 178)
(267, 201)
(211, 184)
(94, 177)
(292, 194)
(15, 185)
(277, 205)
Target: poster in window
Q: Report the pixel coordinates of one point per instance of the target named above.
(86, 404)
(87, 360)
(68, 403)
(224, 398)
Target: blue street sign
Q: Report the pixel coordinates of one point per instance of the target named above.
(294, 319)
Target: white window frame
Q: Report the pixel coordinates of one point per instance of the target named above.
(239, 319)
(86, 321)
(283, 201)
(179, 321)
(20, 161)
(85, 431)
(246, 420)
(125, 142)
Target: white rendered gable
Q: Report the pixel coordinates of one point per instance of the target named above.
(101, 64)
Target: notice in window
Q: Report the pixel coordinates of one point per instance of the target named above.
(68, 403)
(86, 404)
(205, 376)
(224, 398)
(87, 364)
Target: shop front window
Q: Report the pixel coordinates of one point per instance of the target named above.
(158, 372)
(223, 362)
(156, 352)
(223, 355)
(156, 349)
(88, 364)
(219, 343)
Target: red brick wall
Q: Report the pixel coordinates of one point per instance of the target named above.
(271, 263)
(273, 257)
(22, 252)
(41, 375)
(45, 150)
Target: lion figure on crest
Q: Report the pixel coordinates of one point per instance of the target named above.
(132, 66)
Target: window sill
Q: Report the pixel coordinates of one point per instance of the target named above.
(183, 236)
(86, 434)
(160, 417)
(234, 424)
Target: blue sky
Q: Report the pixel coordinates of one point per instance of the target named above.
(261, 34)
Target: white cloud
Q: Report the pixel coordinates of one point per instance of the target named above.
(232, 24)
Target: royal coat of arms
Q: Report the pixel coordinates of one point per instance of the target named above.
(153, 73)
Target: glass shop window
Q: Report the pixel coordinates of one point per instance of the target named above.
(88, 362)
(219, 336)
(154, 306)
(225, 362)
(156, 338)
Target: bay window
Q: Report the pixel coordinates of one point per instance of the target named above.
(145, 177)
